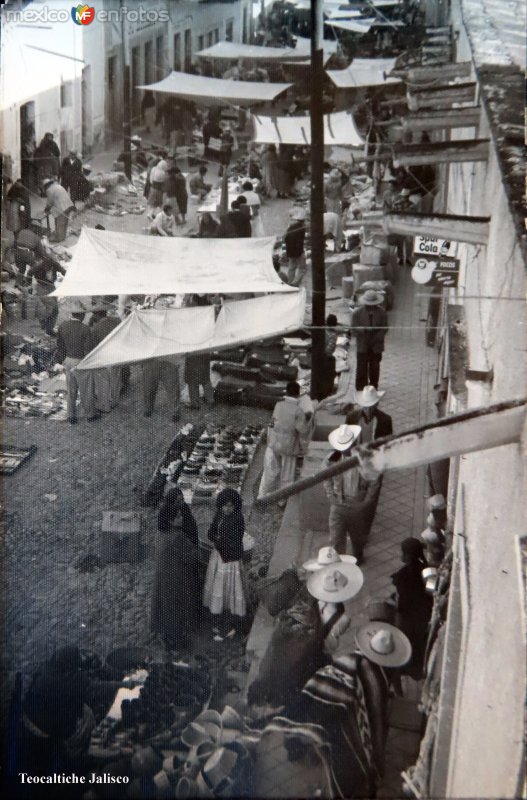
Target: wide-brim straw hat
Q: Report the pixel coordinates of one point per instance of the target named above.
(327, 556)
(384, 644)
(369, 396)
(336, 583)
(371, 298)
(344, 436)
(437, 502)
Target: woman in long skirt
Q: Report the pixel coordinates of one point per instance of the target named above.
(175, 599)
(223, 594)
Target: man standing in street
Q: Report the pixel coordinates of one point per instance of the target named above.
(373, 422)
(294, 249)
(352, 496)
(166, 371)
(108, 380)
(369, 324)
(288, 425)
(60, 204)
(73, 343)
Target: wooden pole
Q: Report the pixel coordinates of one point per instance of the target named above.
(473, 230)
(318, 275)
(469, 432)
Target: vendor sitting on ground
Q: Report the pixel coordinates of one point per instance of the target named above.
(197, 183)
(164, 223)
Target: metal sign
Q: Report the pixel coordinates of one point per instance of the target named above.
(430, 246)
(436, 271)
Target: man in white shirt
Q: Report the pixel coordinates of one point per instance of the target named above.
(60, 204)
(164, 223)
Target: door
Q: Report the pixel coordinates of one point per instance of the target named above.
(114, 106)
(188, 50)
(244, 28)
(148, 63)
(160, 58)
(86, 110)
(27, 144)
(177, 52)
(136, 79)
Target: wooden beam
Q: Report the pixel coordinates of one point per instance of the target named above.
(462, 69)
(469, 432)
(444, 29)
(459, 150)
(437, 120)
(442, 95)
(473, 230)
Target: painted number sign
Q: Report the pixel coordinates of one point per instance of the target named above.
(429, 246)
(436, 271)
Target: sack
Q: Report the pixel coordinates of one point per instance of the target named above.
(276, 594)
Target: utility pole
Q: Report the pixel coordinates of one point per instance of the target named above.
(127, 130)
(318, 275)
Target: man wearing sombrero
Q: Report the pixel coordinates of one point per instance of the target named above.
(374, 423)
(369, 324)
(353, 497)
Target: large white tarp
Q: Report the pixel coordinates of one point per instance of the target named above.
(339, 129)
(364, 72)
(362, 25)
(153, 333)
(232, 51)
(110, 262)
(303, 47)
(216, 91)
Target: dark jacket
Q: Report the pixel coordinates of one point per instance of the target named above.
(383, 422)
(370, 326)
(73, 340)
(226, 534)
(241, 223)
(294, 239)
(102, 328)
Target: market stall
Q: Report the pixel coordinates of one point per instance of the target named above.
(110, 263)
(339, 129)
(216, 91)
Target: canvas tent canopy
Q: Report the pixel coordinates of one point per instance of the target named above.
(216, 91)
(153, 333)
(110, 262)
(361, 25)
(232, 51)
(339, 129)
(364, 72)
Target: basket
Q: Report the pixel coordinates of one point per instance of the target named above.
(381, 611)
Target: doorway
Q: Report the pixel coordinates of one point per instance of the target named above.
(188, 50)
(27, 145)
(86, 111)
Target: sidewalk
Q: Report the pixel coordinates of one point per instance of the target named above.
(407, 376)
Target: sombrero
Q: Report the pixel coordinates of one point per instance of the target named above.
(325, 557)
(384, 644)
(344, 436)
(336, 583)
(369, 396)
(371, 298)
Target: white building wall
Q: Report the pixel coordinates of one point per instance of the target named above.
(485, 754)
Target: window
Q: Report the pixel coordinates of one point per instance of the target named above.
(177, 52)
(148, 62)
(160, 57)
(216, 36)
(229, 30)
(210, 39)
(66, 94)
(201, 42)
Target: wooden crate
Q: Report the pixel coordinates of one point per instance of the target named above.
(120, 536)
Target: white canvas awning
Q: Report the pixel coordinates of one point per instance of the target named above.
(362, 25)
(339, 129)
(231, 51)
(364, 72)
(217, 91)
(153, 333)
(303, 47)
(109, 263)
